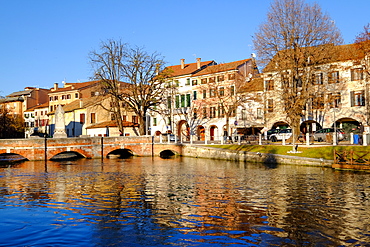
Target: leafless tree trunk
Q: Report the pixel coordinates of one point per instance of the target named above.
(291, 43)
(130, 76)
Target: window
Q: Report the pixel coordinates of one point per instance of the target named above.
(259, 113)
(212, 93)
(204, 94)
(134, 119)
(177, 101)
(204, 112)
(124, 118)
(92, 118)
(50, 98)
(333, 77)
(194, 82)
(318, 78)
(356, 74)
(55, 97)
(231, 76)
(232, 110)
(154, 121)
(76, 95)
(177, 83)
(222, 91)
(212, 112)
(183, 100)
(188, 81)
(68, 96)
(204, 81)
(243, 115)
(188, 100)
(232, 90)
(220, 78)
(269, 85)
(334, 100)
(212, 79)
(82, 118)
(358, 98)
(169, 102)
(194, 95)
(221, 111)
(270, 105)
(318, 102)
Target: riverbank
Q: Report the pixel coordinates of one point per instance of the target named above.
(241, 154)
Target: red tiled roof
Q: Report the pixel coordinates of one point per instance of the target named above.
(74, 86)
(189, 68)
(221, 67)
(340, 53)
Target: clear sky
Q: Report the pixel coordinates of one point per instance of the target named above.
(47, 41)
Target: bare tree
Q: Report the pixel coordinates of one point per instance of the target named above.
(11, 125)
(130, 76)
(291, 43)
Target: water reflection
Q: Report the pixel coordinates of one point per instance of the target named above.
(182, 201)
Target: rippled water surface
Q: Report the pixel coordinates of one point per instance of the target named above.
(181, 202)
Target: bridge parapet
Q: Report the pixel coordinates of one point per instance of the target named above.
(89, 147)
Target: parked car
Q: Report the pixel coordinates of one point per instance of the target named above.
(281, 134)
(270, 132)
(320, 135)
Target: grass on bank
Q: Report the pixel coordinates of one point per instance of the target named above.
(325, 152)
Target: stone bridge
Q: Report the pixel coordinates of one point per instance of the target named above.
(88, 147)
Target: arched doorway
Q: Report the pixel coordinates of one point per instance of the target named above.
(309, 126)
(201, 133)
(183, 130)
(213, 131)
(280, 125)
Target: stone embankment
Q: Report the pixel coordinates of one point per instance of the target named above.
(225, 154)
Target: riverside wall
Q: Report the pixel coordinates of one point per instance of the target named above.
(243, 156)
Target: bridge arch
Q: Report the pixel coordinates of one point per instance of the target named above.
(168, 154)
(67, 155)
(11, 157)
(121, 153)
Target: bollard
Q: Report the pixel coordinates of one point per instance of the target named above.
(307, 139)
(364, 139)
(160, 138)
(259, 139)
(238, 136)
(205, 139)
(283, 140)
(351, 138)
(334, 139)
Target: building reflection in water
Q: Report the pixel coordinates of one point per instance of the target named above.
(162, 198)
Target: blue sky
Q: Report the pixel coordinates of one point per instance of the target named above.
(47, 41)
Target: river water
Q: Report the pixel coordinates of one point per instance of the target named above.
(181, 202)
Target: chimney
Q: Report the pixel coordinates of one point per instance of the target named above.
(182, 63)
(55, 86)
(157, 66)
(198, 63)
